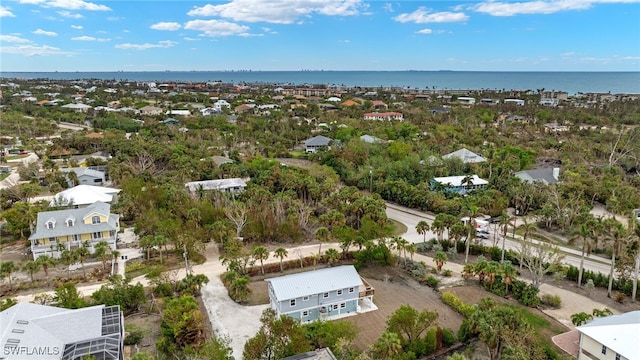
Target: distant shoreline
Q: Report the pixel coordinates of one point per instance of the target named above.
(572, 82)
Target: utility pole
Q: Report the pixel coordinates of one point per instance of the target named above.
(186, 260)
(371, 180)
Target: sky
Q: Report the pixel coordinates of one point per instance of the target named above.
(185, 35)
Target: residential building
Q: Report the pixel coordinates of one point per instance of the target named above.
(317, 143)
(518, 102)
(234, 185)
(466, 100)
(545, 175)
(179, 112)
(69, 229)
(460, 184)
(379, 105)
(615, 337)
(549, 102)
(321, 294)
(84, 195)
(220, 105)
(383, 116)
(81, 108)
(85, 176)
(370, 139)
(33, 331)
(466, 156)
(150, 110)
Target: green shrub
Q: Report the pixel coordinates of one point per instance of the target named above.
(447, 273)
(458, 305)
(553, 301)
(464, 333)
(448, 337)
(431, 342)
(525, 293)
(431, 281)
(133, 335)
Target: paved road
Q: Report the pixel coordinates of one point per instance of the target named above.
(411, 217)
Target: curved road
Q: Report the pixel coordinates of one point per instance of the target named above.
(411, 217)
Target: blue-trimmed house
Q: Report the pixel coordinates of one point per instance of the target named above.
(327, 293)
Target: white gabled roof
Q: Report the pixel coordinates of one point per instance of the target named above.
(467, 156)
(84, 195)
(457, 180)
(620, 333)
(314, 282)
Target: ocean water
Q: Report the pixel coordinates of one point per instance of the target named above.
(571, 82)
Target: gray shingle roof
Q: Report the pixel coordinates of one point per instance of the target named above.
(546, 175)
(318, 141)
(314, 282)
(59, 217)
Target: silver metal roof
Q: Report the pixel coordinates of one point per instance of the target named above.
(59, 218)
(314, 282)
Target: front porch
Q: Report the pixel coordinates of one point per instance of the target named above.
(55, 248)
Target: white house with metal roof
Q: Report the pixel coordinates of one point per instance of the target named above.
(233, 185)
(85, 175)
(321, 294)
(85, 195)
(31, 331)
(460, 184)
(615, 337)
(317, 143)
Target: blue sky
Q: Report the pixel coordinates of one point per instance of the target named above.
(145, 35)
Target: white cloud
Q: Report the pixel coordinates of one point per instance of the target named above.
(77, 27)
(69, 14)
(278, 12)
(186, 38)
(13, 39)
(5, 12)
(146, 46)
(32, 50)
(215, 28)
(89, 38)
(74, 5)
(388, 7)
(45, 33)
(424, 16)
(497, 8)
(424, 31)
(169, 26)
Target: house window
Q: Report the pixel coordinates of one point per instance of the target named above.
(305, 298)
(604, 350)
(96, 235)
(351, 290)
(343, 305)
(50, 225)
(292, 302)
(69, 223)
(95, 219)
(305, 313)
(325, 295)
(52, 239)
(617, 356)
(339, 292)
(75, 237)
(335, 307)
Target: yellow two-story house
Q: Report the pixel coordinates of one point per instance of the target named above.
(60, 230)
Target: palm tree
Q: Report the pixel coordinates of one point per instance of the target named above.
(528, 228)
(508, 274)
(281, 253)
(102, 253)
(440, 259)
(322, 235)
(161, 242)
(81, 254)
(438, 227)
(504, 227)
(6, 269)
(332, 256)
(261, 254)
(388, 345)
(114, 259)
(146, 242)
(239, 288)
(31, 267)
(68, 258)
(46, 262)
(472, 212)
(423, 228)
(582, 234)
(411, 249)
(617, 235)
(491, 270)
